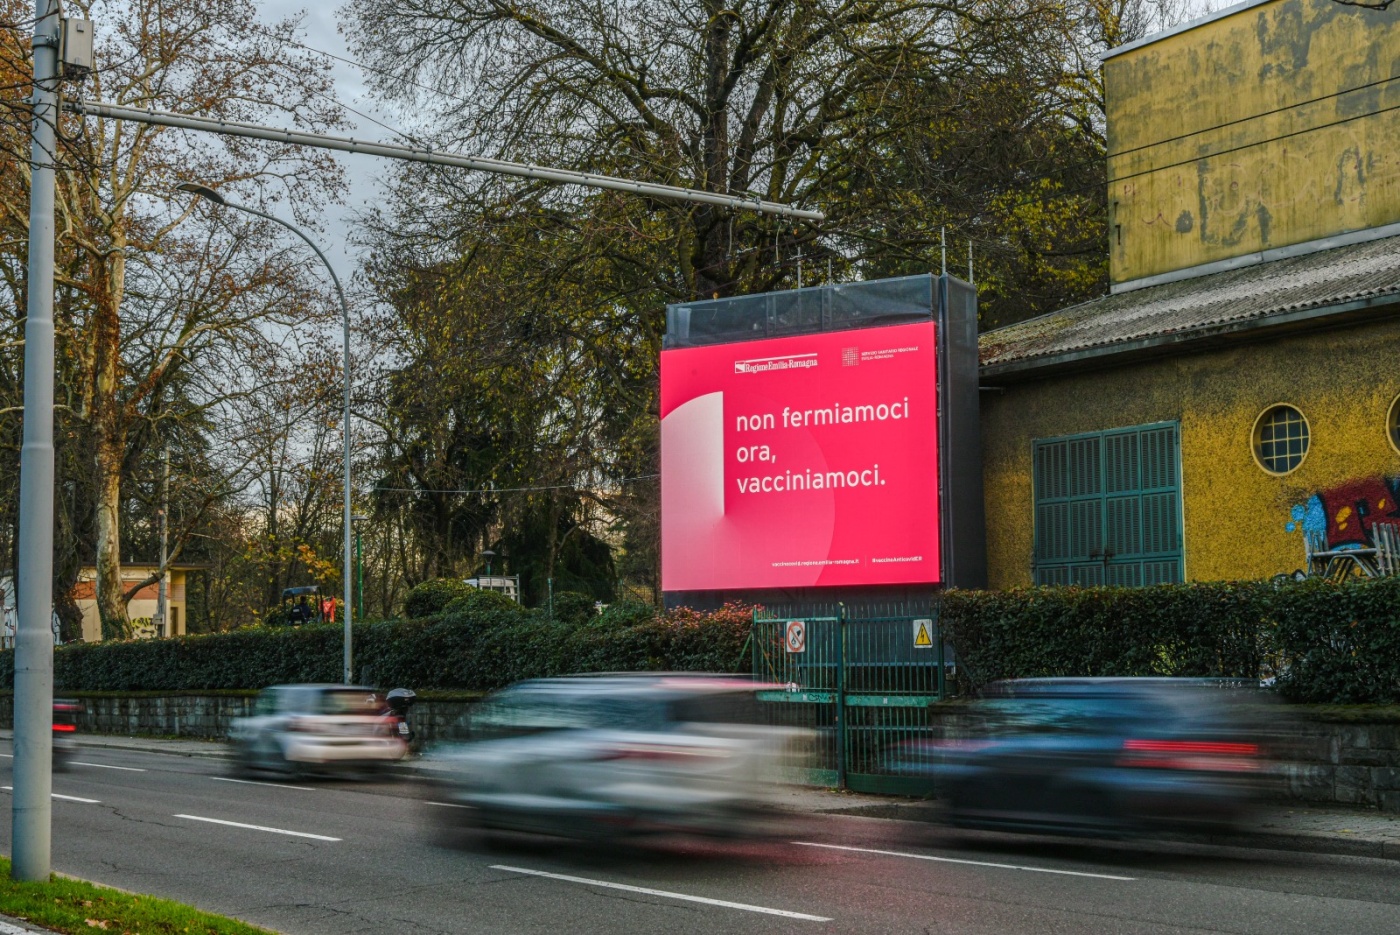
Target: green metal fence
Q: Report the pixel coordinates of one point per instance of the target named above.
(862, 684)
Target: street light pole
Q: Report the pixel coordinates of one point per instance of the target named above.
(33, 739)
(207, 193)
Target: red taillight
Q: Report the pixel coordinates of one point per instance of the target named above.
(1203, 755)
(64, 728)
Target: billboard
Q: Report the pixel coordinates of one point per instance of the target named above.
(801, 461)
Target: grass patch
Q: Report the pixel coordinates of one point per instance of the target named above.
(80, 908)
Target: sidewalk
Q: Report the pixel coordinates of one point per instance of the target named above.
(1282, 826)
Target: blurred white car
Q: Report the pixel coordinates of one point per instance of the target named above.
(617, 754)
(301, 728)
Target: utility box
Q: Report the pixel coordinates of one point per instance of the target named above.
(75, 51)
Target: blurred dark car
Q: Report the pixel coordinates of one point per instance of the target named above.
(615, 755)
(1106, 755)
(65, 725)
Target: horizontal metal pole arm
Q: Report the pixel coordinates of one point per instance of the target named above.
(435, 157)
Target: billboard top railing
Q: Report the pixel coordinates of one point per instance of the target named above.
(833, 307)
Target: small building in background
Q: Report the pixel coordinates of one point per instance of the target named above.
(142, 607)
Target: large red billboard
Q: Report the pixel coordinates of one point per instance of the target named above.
(799, 462)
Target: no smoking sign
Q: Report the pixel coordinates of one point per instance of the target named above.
(795, 636)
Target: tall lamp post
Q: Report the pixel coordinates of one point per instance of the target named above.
(208, 194)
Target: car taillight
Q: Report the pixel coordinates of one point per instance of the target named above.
(1203, 755)
(65, 728)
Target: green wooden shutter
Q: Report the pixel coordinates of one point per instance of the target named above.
(1107, 508)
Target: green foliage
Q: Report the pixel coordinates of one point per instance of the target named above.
(486, 643)
(623, 614)
(1339, 645)
(480, 601)
(1327, 642)
(574, 608)
(76, 906)
(432, 596)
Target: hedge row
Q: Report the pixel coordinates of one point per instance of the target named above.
(476, 647)
(1326, 643)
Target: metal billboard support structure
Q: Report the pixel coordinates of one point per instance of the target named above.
(33, 734)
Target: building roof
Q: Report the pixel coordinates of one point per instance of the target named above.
(1327, 282)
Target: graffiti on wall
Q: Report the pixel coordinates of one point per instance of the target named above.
(1344, 513)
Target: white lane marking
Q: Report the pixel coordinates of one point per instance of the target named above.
(447, 804)
(723, 903)
(254, 782)
(957, 860)
(66, 798)
(239, 824)
(8, 756)
(126, 769)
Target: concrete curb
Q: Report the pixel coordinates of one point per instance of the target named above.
(1310, 842)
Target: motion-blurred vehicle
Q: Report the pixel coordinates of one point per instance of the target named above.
(65, 725)
(316, 728)
(1100, 755)
(616, 755)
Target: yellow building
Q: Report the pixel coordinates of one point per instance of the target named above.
(1239, 387)
(142, 607)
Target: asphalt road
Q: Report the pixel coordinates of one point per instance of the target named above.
(344, 857)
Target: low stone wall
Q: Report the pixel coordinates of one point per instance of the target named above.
(208, 717)
(1346, 764)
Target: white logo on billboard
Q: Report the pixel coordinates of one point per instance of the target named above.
(785, 362)
(850, 356)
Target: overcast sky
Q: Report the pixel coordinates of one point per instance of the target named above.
(320, 21)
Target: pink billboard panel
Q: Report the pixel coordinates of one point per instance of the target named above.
(800, 462)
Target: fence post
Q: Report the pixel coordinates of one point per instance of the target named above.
(841, 696)
(938, 634)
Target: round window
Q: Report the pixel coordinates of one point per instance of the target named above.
(1280, 439)
(1392, 423)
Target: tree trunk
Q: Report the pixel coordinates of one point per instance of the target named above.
(109, 449)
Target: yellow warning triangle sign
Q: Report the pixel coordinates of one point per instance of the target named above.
(921, 638)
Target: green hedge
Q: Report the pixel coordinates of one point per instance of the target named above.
(484, 646)
(1327, 643)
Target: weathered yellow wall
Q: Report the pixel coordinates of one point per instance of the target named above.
(1182, 194)
(1234, 513)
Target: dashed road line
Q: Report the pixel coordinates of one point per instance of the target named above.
(254, 782)
(125, 769)
(65, 798)
(664, 894)
(960, 860)
(239, 824)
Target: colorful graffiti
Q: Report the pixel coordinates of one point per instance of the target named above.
(1344, 513)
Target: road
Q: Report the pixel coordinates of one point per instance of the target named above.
(342, 857)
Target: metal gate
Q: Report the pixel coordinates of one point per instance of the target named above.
(863, 684)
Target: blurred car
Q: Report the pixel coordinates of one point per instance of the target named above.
(617, 755)
(65, 725)
(1105, 755)
(303, 728)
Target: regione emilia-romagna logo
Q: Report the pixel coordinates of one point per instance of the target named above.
(785, 362)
